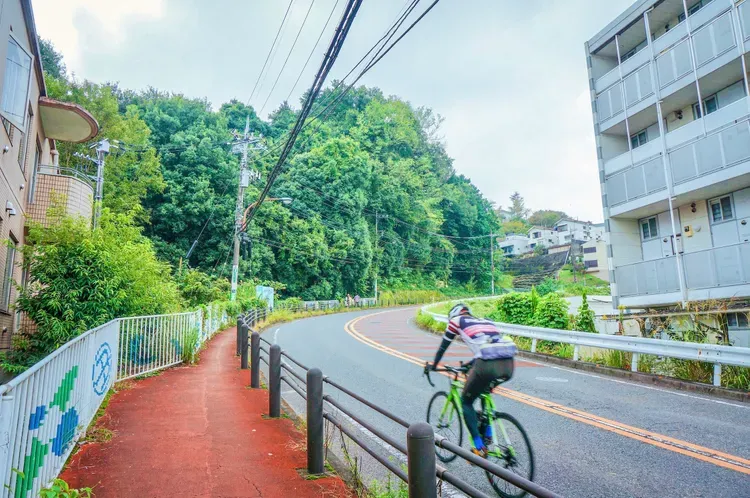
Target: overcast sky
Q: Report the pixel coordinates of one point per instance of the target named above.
(508, 76)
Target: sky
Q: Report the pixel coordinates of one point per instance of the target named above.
(509, 77)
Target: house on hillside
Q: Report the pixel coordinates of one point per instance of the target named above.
(595, 258)
(541, 236)
(31, 124)
(569, 230)
(515, 245)
(504, 214)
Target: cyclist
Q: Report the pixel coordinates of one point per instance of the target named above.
(493, 360)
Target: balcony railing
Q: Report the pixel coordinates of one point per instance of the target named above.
(648, 277)
(640, 180)
(707, 269)
(46, 169)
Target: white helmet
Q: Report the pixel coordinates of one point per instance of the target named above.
(457, 310)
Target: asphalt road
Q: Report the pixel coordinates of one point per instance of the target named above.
(593, 436)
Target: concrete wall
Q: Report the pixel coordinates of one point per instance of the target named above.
(698, 235)
(626, 241)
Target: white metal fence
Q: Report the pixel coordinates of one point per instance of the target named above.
(46, 409)
(709, 353)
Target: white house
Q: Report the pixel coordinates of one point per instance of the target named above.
(541, 236)
(569, 230)
(515, 245)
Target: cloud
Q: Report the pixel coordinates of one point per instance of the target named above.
(509, 77)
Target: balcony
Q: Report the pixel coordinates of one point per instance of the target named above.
(63, 188)
(636, 182)
(716, 273)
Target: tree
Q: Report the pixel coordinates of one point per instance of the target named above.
(546, 217)
(81, 278)
(52, 60)
(518, 208)
(515, 227)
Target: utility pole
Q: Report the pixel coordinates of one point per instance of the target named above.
(245, 176)
(492, 261)
(375, 254)
(101, 150)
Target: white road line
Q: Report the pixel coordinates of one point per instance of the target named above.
(637, 384)
(275, 335)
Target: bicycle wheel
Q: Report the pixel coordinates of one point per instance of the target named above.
(445, 419)
(518, 458)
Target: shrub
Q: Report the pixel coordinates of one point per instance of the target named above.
(515, 308)
(82, 278)
(199, 288)
(585, 318)
(427, 322)
(548, 286)
(552, 312)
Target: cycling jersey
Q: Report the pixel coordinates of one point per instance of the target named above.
(482, 336)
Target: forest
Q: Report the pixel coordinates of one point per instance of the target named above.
(369, 157)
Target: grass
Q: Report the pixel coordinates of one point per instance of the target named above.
(60, 489)
(428, 323)
(480, 308)
(190, 349)
(589, 283)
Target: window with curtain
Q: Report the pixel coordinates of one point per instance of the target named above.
(16, 84)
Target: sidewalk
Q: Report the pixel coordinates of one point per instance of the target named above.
(195, 432)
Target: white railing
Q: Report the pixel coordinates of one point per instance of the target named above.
(46, 409)
(658, 276)
(710, 353)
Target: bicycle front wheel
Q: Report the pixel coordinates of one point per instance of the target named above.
(512, 452)
(445, 419)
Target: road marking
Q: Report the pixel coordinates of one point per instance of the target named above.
(275, 335)
(551, 379)
(676, 445)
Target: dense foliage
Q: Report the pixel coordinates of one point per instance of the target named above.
(80, 278)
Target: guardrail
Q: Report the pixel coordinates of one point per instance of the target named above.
(419, 448)
(47, 408)
(710, 353)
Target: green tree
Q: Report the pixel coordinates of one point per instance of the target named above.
(80, 279)
(518, 208)
(546, 217)
(585, 317)
(52, 60)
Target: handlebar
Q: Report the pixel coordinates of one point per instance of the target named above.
(446, 368)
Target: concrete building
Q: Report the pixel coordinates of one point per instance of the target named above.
(569, 231)
(669, 88)
(595, 258)
(29, 174)
(515, 245)
(541, 236)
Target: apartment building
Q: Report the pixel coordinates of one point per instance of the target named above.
(594, 256)
(669, 93)
(30, 177)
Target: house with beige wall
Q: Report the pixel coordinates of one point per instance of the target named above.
(30, 176)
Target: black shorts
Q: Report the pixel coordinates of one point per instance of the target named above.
(483, 373)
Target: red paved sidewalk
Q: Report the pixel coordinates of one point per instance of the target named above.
(197, 431)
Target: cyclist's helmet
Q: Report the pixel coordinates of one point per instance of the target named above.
(459, 309)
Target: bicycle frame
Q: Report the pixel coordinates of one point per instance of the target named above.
(488, 405)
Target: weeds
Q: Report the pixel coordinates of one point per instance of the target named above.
(428, 323)
(389, 489)
(191, 347)
(61, 489)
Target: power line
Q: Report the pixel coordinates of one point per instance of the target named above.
(317, 42)
(283, 21)
(283, 66)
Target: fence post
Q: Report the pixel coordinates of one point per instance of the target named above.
(533, 345)
(420, 449)
(575, 353)
(243, 345)
(634, 362)
(255, 360)
(239, 335)
(717, 374)
(315, 459)
(274, 381)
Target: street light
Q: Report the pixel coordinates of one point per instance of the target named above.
(284, 200)
(243, 226)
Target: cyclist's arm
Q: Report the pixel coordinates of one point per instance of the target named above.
(451, 331)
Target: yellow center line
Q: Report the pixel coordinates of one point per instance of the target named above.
(702, 453)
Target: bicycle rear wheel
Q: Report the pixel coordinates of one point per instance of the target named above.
(445, 419)
(518, 457)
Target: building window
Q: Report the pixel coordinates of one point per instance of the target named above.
(37, 158)
(16, 84)
(591, 264)
(692, 10)
(23, 143)
(537, 235)
(640, 138)
(507, 249)
(737, 320)
(649, 228)
(562, 228)
(721, 209)
(711, 104)
(10, 264)
(589, 250)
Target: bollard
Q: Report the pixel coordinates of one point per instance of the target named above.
(533, 345)
(717, 374)
(575, 353)
(255, 360)
(239, 347)
(315, 459)
(243, 345)
(420, 449)
(274, 382)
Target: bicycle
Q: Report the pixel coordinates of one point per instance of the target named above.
(501, 452)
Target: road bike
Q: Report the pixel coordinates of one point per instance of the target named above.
(507, 443)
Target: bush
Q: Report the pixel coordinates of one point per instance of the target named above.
(548, 286)
(82, 278)
(552, 312)
(516, 308)
(584, 321)
(199, 288)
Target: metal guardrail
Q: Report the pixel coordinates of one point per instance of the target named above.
(710, 353)
(44, 410)
(419, 447)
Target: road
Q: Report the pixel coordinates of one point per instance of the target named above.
(593, 436)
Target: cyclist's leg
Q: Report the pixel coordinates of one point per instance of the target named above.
(476, 384)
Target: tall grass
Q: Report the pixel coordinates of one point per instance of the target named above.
(190, 347)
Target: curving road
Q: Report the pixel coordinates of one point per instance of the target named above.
(593, 436)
